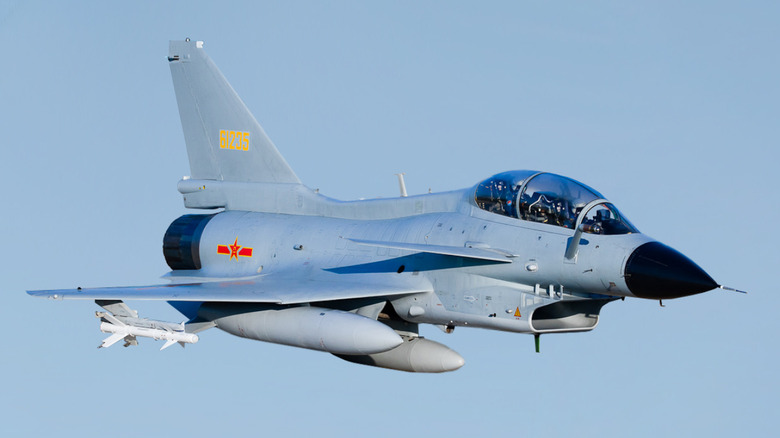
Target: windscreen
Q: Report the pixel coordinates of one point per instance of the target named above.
(606, 219)
(550, 199)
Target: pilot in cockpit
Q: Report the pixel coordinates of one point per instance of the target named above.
(549, 199)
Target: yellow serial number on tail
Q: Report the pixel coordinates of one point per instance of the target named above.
(234, 140)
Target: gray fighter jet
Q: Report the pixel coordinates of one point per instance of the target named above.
(522, 251)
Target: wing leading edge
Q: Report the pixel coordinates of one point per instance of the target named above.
(271, 288)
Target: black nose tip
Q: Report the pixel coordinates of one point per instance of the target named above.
(656, 271)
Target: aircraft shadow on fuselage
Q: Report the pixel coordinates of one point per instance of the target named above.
(411, 263)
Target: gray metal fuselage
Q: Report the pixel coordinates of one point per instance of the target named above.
(308, 232)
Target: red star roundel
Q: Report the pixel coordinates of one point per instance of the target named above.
(235, 250)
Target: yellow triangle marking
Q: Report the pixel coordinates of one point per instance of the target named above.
(517, 313)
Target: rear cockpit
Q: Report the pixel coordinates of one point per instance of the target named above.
(550, 199)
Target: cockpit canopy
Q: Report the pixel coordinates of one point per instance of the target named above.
(550, 199)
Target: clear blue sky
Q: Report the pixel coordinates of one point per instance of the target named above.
(670, 110)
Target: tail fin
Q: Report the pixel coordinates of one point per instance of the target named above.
(224, 141)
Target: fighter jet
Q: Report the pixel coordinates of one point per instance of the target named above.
(273, 260)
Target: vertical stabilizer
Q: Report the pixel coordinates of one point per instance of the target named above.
(224, 141)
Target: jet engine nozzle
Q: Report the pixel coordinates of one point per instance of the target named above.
(656, 271)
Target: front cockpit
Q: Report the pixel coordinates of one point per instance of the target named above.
(550, 199)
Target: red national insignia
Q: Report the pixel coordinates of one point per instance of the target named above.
(235, 250)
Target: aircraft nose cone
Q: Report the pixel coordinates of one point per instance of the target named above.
(656, 271)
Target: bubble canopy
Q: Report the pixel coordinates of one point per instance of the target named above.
(550, 199)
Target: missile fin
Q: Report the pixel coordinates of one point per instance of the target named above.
(113, 320)
(168, 344)
(111, 340)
